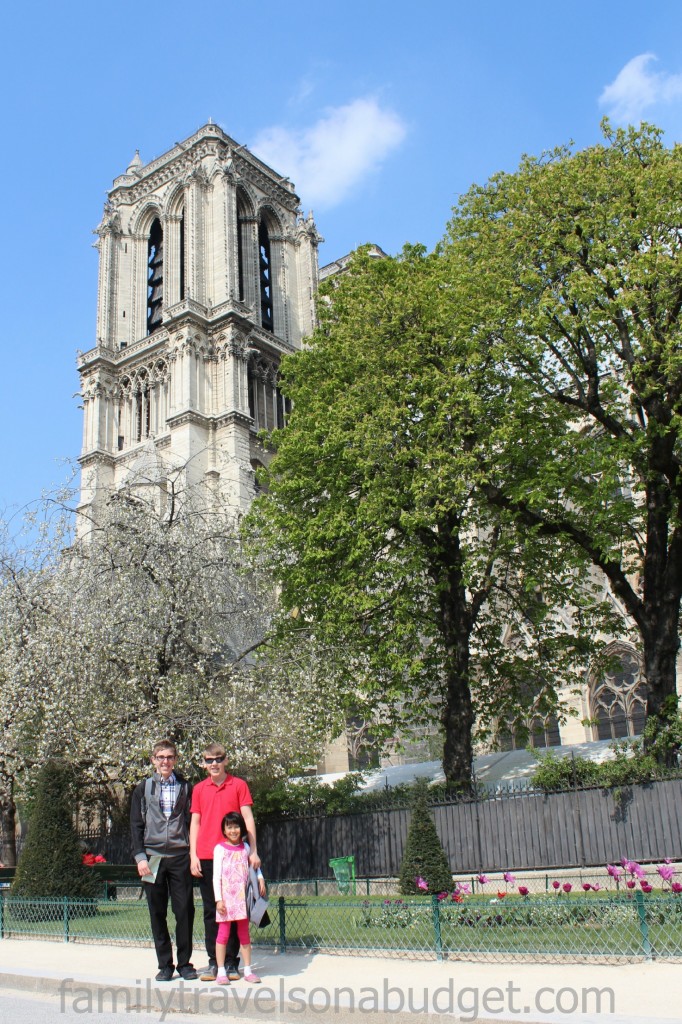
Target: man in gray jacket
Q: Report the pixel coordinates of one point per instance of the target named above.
(159, 826)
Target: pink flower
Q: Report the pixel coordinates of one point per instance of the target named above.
(614, 871)
(633, 868)
(99, 859)
(556, 885)
(463, 889)
(666, 871)
(646, 887)
(509, 878)
(421, 883)
(596, 888)
(631, 885)
(586, 886)
(482, 879)
(567, 886)
(523, 890)
(442, 895)
(676, 887)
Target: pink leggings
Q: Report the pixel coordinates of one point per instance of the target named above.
(242, 932)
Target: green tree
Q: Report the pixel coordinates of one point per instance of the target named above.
(424, 867)
(571, 270)
(376, 529)
(51, 861)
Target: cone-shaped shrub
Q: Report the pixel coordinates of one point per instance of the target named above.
(51, 860)
(424, 856)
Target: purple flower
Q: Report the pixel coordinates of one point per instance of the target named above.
(676, 887)
(646, 887)
(586, 886)
(442, 895)
(556, 885)
(523, 890)
(567, 886)
(666, 871)
(596, 888)
(509, 878)
(463, 889)
(633, 868)
(421, 883)
(483, 879)
(631, 885)
(614, 871)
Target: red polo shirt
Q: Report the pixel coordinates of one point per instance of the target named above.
(213, 803)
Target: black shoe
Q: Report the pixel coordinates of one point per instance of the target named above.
(165, 974)
(187, 973)
(210, 973)
(233, 972)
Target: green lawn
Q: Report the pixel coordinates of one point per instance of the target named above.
(540, 926)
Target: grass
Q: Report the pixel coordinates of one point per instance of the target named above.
(541, 927)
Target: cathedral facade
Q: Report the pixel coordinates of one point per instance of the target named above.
(207, 277)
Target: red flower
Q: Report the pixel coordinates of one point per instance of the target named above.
(88, 858)
(501, 895)
(99, 859)
(676, 887)
(586, 886)
(630, 884)
(646, 887)
(567, 886)
(523, 890)
(556, 885)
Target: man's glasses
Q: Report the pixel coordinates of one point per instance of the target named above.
(165, 757)
(214, 760)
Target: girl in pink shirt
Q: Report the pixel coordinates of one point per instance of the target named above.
(230, 875)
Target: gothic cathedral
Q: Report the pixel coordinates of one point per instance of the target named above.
(207, 276)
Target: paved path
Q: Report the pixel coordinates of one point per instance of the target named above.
(83, 980)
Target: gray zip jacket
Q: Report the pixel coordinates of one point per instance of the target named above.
(151, 832)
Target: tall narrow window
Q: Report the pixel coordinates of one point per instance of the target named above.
(182, 255)
(265, 266)
(241, 227)
(155, 278)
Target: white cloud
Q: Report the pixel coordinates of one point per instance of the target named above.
(335, 154)
(636, 88)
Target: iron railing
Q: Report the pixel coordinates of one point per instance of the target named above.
(620, 927)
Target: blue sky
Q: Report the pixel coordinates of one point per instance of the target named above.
(381, 114)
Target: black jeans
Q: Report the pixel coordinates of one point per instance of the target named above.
(210, 923)
(173, 879)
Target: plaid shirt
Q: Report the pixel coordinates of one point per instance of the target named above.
(168, 794)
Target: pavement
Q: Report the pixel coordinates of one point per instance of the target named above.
(303, 987)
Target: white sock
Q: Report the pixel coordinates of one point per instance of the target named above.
(222, 973)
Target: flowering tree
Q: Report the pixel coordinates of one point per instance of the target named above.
(151, 623)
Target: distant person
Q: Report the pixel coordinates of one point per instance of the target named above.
(213, 798)
(230, 877)
(159, 826)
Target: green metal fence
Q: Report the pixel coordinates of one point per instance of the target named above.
(550, 928)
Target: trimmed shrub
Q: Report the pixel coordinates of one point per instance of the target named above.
(50, 864)
(424, 856)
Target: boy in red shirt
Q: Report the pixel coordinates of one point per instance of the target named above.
(212, 799)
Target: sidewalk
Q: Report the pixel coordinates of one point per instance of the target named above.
(306, 987)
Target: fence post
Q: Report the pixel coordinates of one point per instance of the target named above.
(435, 913)
(2, 914)
(282, 926)
(65, 900)
(643, 926)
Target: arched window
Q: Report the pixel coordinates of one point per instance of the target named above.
(539, 731)
(155, 277)
(618, 699)
(265, 274)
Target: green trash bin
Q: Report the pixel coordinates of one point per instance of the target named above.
(344, 873)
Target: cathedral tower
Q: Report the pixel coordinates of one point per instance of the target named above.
(207, 276)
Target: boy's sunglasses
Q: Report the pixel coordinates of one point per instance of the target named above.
(214, 760)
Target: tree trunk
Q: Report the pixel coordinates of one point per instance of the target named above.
(8, 822)
(456, 625)
(661, 644)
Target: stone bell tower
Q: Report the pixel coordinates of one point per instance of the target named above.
(207, 276)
